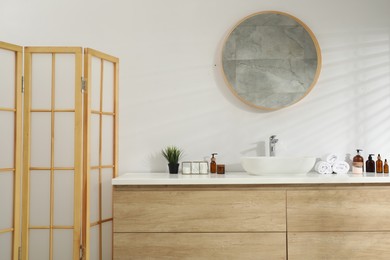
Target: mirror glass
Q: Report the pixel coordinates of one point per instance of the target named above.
(271, 60)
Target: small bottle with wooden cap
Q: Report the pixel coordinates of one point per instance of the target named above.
(385, 167)
(379, 164)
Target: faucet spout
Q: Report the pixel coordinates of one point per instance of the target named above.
(272, 145)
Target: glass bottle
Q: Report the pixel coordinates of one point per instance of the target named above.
(370, 164)
(358, 163)
(213, 163)
(386, 167)
(379, 164)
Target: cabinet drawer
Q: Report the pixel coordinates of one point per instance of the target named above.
(199, 246)
(199, 211)
(338, 210)
(339, 245)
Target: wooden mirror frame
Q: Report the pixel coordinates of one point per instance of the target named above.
(315, 76)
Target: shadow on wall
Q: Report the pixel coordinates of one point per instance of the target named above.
(348, 108)
(258, 149)
(157, 162)
(355, 93)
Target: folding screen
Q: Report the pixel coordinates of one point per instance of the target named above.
(52, 179)
(100, 156)
(10, 148)
(64, 210)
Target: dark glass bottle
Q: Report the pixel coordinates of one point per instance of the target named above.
(213, 163)
(379, 164)
(386, 167)
(370, 164)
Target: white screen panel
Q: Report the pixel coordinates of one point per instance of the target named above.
(108, 140)
(41, 81)
(64, 140)
(7, 134)
(6, 199)
(40, 139)
(106, 193)
(107, 240)
(94, 140)
(94, 195)
(6, 246)
(94, 246)
(40, 198)
(63, 244)
(7, 78)
(95, 83)
(63, 198)
(108, 87)
(65, 81)
(39, 244)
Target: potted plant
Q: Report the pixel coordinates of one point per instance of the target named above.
(172, 154)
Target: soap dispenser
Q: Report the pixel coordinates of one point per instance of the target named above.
(370, 164)
(213, 163)
(358, 163)
(379, 164)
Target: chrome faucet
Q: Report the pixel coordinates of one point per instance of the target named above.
(272, 143)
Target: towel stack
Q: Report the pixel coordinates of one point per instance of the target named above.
(332, 163)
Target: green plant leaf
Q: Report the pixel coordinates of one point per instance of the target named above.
(172, 154)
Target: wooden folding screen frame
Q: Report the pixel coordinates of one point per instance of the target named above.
(17, 110)
(89, 54)
(78, 135)
(82, 114)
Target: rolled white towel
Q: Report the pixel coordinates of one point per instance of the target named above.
(323, 167)
(331, 158)
(340, 167)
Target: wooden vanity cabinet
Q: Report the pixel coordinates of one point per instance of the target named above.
(196, 223)
(339, 223)
(252, 222)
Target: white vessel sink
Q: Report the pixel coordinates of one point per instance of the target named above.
(278, 165)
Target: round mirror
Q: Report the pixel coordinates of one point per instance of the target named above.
(271, 60)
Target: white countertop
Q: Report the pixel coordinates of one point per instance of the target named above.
(244, 178)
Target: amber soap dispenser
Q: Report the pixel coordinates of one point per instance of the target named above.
(358, 163)
(213, 163)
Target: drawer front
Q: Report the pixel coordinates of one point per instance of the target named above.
(199, 246)
(339, 245)
(338, 210)
(199, 211)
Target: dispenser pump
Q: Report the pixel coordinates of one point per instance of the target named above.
(358, 163)
(213, 163)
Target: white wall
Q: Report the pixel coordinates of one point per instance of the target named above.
(171, 92)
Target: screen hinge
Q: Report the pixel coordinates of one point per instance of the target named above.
(19, 253)
(81, 252)
(22, 84)
(83, 84)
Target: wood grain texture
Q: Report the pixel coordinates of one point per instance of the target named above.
(199, 211)
(18, 154)
(339, 245)
(199, 246)
(338, 210)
